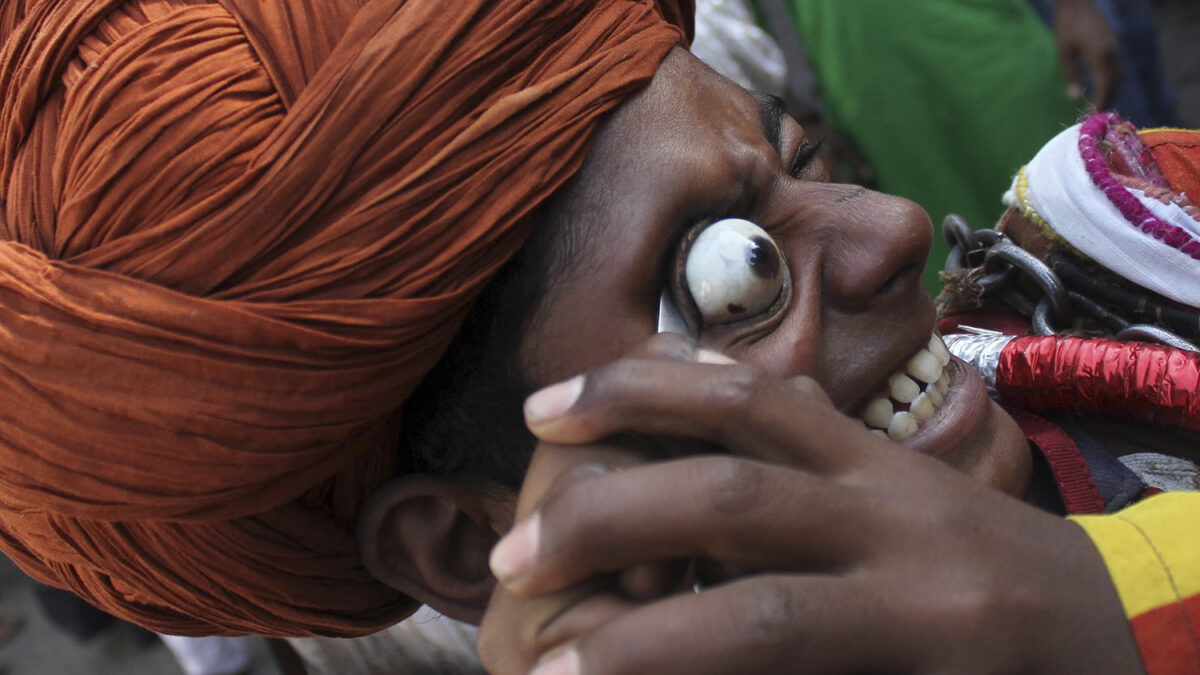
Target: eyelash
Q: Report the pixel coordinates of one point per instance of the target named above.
(807, 153)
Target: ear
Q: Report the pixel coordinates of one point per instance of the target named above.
(430, 538)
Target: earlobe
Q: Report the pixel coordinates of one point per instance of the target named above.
(430, 538)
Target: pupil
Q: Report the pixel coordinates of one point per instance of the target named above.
(763, 259)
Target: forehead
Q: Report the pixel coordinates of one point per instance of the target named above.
(681, 150)
(680, 119)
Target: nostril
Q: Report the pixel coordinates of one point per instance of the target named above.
(900, 281)
(870, 293)
(877, 247)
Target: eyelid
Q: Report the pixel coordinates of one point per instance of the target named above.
(676, 291)
(677, 296)
(805, 156)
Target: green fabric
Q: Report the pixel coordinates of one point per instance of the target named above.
(946, 98)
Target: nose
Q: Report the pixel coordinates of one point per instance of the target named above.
(871, 245)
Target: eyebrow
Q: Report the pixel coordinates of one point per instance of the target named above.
(771, 110)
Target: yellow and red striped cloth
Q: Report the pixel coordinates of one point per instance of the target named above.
(1151, 550)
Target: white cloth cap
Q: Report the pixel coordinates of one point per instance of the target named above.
(1057, 190)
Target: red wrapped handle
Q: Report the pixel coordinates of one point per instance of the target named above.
(1134, 381)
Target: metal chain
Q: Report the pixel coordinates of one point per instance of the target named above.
(1005, 264)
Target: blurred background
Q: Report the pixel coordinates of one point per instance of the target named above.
(1179, 26)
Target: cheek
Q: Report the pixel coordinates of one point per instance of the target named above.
(997, 454)
(582, 335)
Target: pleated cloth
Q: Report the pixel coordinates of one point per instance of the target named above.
(235, 236)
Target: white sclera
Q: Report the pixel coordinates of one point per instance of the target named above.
(734, 271)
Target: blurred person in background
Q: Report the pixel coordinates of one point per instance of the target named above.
(945, 100)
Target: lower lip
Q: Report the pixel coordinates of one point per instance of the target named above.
(966, 403)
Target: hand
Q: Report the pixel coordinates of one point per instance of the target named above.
(1084, 35)
(516, 630)
(852, 554)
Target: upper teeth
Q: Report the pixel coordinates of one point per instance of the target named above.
(921, 384)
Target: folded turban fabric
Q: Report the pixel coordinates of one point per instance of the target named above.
(1121, 200)
(235, 236)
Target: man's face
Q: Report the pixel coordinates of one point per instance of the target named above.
(848, 308)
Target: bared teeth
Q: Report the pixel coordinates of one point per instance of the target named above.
(878, 413)
(922, 407)
(903, 388)
(903, 425)
(922, 386)
(924, 366)
(938, 349)
(943, 383)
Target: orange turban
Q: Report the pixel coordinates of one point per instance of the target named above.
(236, 235)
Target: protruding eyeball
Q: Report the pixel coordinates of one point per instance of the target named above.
(734, 271)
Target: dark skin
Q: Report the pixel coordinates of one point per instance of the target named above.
(1084, 38)
(693, 148)
(828, 549)
(851, 558)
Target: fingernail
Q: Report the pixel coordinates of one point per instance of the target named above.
(1075, 91)
(513, 556)
(709, 356)
(563, 663)
(553, 400)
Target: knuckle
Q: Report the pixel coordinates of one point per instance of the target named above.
(769, 611)
(971, 603)
(809, 387)
(498, 651)
(578, 473)
(618, 387)
(574, 507)
(735, 487)
(671, 346)
(737, 387)
(967, 611)
(617, 373)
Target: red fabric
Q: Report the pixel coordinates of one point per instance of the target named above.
(1169, 638)
(1133, 381)
(1002, 322)
(1177, 153)
(234, 236)
(1075, 484)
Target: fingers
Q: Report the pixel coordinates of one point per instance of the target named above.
(738, 511)
(516, 631)
(1083, 35)
(669, 346)
(1106, 71)
(737, 407)
(556, 468)
(766, 624)
(1069, 56)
